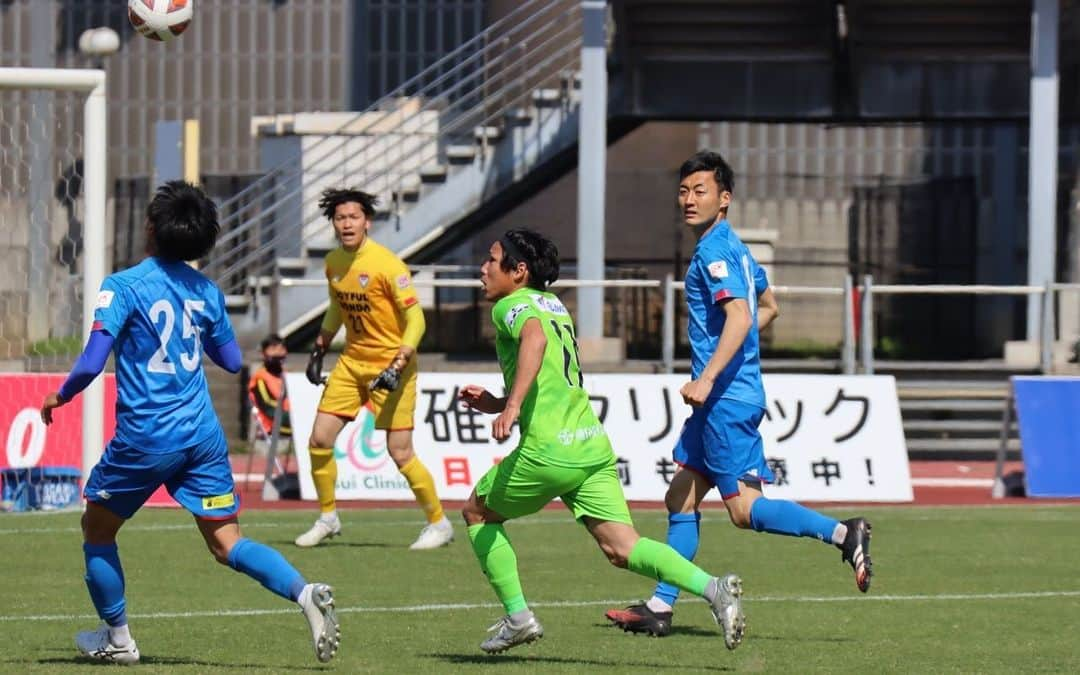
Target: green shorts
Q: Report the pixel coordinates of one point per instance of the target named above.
(519, 486)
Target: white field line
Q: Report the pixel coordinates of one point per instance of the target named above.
(359, 525)
(250, 520)
(443, 607)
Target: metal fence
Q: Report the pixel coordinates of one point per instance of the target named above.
(856, 349)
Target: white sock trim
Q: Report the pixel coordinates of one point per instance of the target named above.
(305, 595)
(839, 534)
(329, 516)
(657, 605)
(120, 636)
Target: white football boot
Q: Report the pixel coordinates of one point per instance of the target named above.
(508, 635)
(434, 535)
(317, 603)
(322, 529)
(727, 609)
(96, 645)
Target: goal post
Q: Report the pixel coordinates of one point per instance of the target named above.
(91, 83)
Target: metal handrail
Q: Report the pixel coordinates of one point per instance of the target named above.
(470, 82)
(420, 94)
(283, 236)
(669, 286)
(475, 283)
(398, 91)
(417, 160)
(957, 289)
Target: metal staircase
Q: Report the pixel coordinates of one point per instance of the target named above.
(434, 150)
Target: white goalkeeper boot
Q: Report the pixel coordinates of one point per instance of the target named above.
(317, 603)
(323, 528)
(434, 535)
(96, 644)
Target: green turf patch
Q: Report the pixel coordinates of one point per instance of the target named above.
(956, 590)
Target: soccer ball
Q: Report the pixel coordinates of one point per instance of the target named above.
(160, 20)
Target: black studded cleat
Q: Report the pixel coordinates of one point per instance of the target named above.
(856, 551)
(640, 619)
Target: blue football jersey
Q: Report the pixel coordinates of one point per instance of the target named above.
(159, 313)
(723, 268)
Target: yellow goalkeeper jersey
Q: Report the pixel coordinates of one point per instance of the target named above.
(369, 291)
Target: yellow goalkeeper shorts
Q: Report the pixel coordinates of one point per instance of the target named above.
(347, 390)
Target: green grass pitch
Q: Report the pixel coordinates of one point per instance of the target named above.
(957, 589)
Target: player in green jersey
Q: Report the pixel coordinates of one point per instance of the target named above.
(563, 452)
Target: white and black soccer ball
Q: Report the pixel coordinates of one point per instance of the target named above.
(160, 20)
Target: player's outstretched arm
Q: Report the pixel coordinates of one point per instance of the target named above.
(89, 365)
(529, 358)
(476, 397)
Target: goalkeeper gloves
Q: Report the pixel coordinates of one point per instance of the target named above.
(388, 379)
(314, 367)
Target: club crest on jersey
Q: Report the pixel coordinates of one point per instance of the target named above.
(718, 269)
(403, 281)
(364, 279)
(104, 299)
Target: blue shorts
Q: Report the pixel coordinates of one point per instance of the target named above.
(198, 477)
(720, 440)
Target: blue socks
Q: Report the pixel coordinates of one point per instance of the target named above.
(683, 534)
(268, 567)
(105, 581)
(780, 516)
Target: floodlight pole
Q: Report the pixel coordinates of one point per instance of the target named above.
(1042, 157)
(592, 151)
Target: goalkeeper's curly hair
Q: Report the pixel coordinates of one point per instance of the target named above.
(540, 255)
(331, 198)
(183, 221)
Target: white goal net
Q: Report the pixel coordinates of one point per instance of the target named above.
(52, 261)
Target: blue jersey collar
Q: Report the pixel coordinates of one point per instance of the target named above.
(722, 227)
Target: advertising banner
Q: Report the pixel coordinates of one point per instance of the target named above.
(827, 437)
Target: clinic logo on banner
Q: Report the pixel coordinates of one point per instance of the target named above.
(358, 443)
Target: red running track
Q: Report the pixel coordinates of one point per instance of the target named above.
(935, 484)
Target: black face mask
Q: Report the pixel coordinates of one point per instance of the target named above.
(274, 364)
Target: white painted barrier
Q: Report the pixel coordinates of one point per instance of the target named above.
(829, 438)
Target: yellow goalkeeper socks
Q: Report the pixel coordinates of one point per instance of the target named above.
(324, 475)
(423, 486)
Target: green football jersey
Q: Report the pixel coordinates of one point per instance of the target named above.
(558, 424)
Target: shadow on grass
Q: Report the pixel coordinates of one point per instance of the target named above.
(497, 660)
(287, 544)
(146, 660)
(700, 632)
(675, 630)
(800, 638)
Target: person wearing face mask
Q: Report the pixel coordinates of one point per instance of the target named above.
(264, 387)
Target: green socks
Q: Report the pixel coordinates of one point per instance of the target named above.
(658, 561)
(649, 558)
(499, 563)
